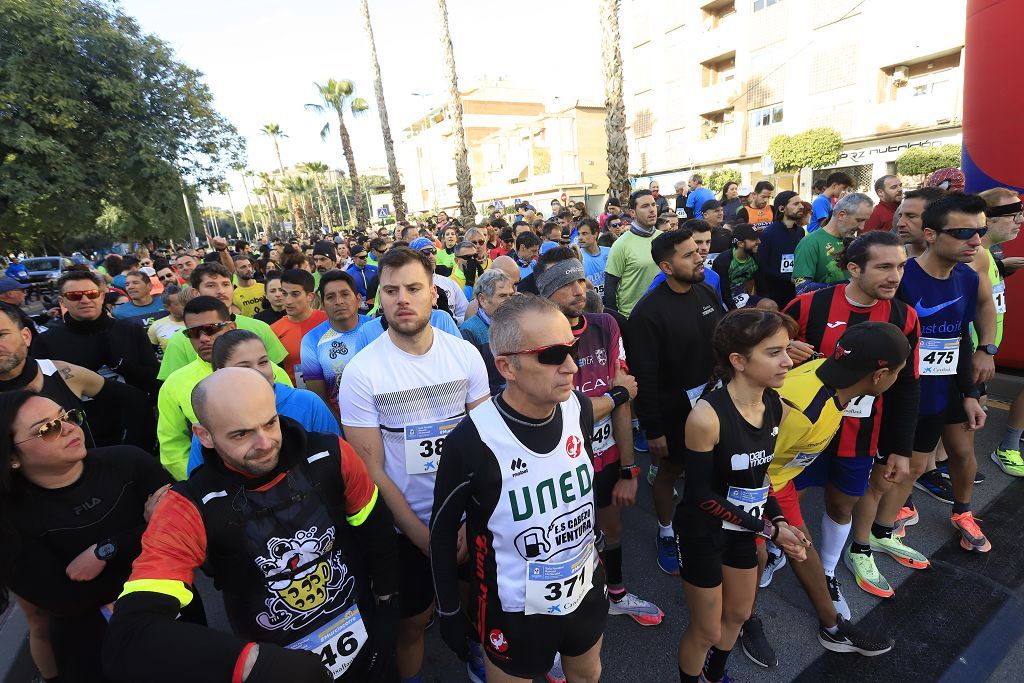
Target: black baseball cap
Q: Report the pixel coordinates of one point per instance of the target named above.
(864, 348)
(357, 250)
(744, 231)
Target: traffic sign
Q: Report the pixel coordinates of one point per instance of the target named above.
(767, 164)
(498, 204)
(564, 197)
(382, 212)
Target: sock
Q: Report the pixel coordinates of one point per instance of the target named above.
(833, 539)
(881, 530)
(612, 558)
(1011, 439)
(687, 678)
(832, 630)
(862, 548)
(665, 531)
(714, 669)
(636, 424)
(960, 508)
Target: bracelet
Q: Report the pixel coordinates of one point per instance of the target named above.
(775, 532)
(618, 395)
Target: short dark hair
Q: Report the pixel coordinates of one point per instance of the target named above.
(565, 214)
(635, 197)
(139, 274)
(880, 183)
(819, 184)
(205, 304)
(377, 243)
(527, 240)
(208, 270)
(335, 275)
(79, 275)
(499, 223)
(696, 225)
(302, 278)
(928, 194)
(244, 257)
(515, 226)
(549, 226)
(937, 213)
(401, 256)
(840, 178)
(762, 186)
(664, 245)
(859, 250)
(589, 222)
(551, 256)
(507, 235)
(16, 315)
(225, 344)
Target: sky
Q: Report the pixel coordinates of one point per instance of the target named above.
(261, 58)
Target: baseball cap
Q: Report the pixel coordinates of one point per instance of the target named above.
(420, 243)
(745, 190)
(864, 348)
(710, 205)
(356, 250)
(9, 284)
(744, 231)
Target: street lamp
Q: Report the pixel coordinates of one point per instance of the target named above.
(430, 158)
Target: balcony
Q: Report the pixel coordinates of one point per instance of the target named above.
(715, 97)
(915, 112)
(714, 42)
(725, 145)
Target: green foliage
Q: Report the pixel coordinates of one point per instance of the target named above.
(816, 147)
(717, 179)
(99, 126)
(919, 161)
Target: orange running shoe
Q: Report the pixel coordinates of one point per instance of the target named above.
(971, 537)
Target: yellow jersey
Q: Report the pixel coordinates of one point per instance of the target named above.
(814, 418)
(250, 299)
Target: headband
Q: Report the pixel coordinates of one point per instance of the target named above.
(1004, 210)
(559, 275)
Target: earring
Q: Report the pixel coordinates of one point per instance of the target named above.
(15, 465)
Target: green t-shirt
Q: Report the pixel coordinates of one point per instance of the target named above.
(630, 261)
(741, 272)
(815, 259)
(179, 351)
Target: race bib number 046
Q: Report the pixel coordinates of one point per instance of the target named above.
(338, 643)
(424, 444)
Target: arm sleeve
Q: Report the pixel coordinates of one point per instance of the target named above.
(965, 366)
(643, 338)
(309, 359)
(372, 522)
(611, 290)
(173, 433)
(901, 401)
(451, 496)
(699, 471)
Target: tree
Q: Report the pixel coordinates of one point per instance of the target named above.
(717, 179)
(920, 161)
(463, 179)
(385, 127)
(339, 96)
(98, 119)
(294, 186)
(274, 132)
(615, 107)
(317, 169)
(815, 148)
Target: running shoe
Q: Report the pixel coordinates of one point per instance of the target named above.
(652, 473)
(868, 578)
(640, 441)
(906, 517)
(703, 678)
(555, 674)
(971, 537)
(1009, 461)
(668, 559)
(934, 485)
(893, 547)
(776, 561)
(755, 645)
(943, 469)
(835, 592)
(643, 612)
(850, 638)
(475, 668)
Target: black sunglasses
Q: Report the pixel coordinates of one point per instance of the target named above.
(965, 233)
(209, 330)
(554, 354)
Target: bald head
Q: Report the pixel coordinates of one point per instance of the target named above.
(507, 265)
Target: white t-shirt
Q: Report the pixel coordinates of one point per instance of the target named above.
(456, 297)
(415, 401)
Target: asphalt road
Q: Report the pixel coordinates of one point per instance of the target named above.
(632, 652)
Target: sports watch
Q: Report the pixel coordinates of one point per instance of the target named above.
(990, 349)
(629, 471)
(105, 550)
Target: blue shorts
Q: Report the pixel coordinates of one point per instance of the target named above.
(849, 475)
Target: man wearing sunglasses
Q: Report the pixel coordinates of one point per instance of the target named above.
(520, 470)
(206, 318)
(455, 301)
(943, 289)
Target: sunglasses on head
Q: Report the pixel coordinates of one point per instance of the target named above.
(964, 233)
(49, 431)
(554, 354)
(208, 329)
(78, 294)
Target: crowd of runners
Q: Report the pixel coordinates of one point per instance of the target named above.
(361, 436)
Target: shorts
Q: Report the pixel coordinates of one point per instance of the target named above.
(416, 583)
(790, 504)
(701, 557)
(524, 645)
(604, 484)
(849, 475)
(929, 427)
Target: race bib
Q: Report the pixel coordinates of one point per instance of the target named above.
(694, 394)
(300, 382)
(741, 300)
(424, 443)
(558, 588)
(751, 500)
(938, 356)
(338, 643)
(860, 407)
(602, 439)
(709, 260)
(786, 264)
(999, 296)
(681, 213)
(800, 461)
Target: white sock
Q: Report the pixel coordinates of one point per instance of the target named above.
(833, 539)
(666, 531)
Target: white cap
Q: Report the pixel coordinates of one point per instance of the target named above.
(745, 190)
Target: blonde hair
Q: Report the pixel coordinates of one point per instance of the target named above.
(998, 196)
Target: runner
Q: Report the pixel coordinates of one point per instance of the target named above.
(815, 263)
(274, 299)
(249, 292)
(454, 299)
(308, 592)
(161, 331)
(399, 398)
(738, 270)
(670, 334)
(730, 438)
(595, 257)
(537, 588)
(143, 308)
(492, 289)
(758, 213)
(630, 272)
(300, 318)
(602, 367)
(329, 346)
(777, 251)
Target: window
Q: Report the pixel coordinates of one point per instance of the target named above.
(713, 123)
(761, 4)
(766, 116)
(721, 70)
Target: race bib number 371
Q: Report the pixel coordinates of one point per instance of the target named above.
(558, 588)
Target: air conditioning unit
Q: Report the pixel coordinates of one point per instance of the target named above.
(900, 76)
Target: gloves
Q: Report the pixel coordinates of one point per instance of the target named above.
(453, 633)
(275, 663)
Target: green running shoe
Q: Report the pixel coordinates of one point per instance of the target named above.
(1009, 461)
(866, 573)
(897, 550)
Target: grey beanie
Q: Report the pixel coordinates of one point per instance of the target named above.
(558, 275)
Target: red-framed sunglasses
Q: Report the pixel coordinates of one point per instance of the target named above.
(554, 354)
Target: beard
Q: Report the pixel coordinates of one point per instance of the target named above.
(12, 361)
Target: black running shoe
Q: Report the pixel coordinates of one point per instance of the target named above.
(934, 485)
(755, 645)
(850, 638)
(943, 469)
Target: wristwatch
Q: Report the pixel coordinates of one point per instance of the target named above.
(629, 471)
(990, 349)
(105, 550)
(387, 601)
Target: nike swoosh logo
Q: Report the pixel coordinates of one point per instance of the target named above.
(836, 324)
(925, 311)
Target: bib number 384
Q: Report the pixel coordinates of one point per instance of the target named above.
(338, 643)
(938, 356)
(558, 588)
(424, 444)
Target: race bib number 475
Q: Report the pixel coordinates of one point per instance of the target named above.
(938, 356)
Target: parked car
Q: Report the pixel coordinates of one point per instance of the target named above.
(44, 271)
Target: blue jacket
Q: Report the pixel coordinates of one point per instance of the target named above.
(303, 406)
(362, 277)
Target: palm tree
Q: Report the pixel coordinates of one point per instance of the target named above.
(274, 132)
(294, 186)
(337, 96)
(615, 108)
(317, 170)
(462, 175)
(385, 127)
